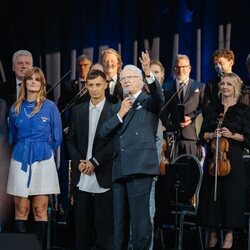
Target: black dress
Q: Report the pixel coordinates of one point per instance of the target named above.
(228, 210)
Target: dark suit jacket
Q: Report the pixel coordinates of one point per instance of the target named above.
(245, 92)
(135, 138)
(69, 91)
(77, 144)
(8, 92)
(211, 92)
(192, 102)
(169, 114)
(117, 94)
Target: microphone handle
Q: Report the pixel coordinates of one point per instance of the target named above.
(57, 83)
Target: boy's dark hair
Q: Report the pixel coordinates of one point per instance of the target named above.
(95, 73)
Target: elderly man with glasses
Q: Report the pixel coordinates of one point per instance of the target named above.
(133, 125)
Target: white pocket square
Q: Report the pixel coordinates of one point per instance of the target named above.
(197, 90)
(138, 107)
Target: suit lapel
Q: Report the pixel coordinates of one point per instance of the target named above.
(174, 88)
(139, 100)
(189, 89)
(103, 116)
(84, 120)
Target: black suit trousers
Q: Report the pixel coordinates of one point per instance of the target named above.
(93, 220)
(131, 205)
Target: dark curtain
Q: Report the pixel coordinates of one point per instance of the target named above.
(51, 27)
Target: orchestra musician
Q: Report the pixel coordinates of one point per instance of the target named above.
(190, 100)
(222, 198)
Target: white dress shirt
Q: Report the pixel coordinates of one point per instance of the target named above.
(112, 84)
(184, 88)
(88, 183)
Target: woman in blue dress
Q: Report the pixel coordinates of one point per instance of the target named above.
(35, 133)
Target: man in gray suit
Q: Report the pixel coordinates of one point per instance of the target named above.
(190, 100)
(133, 125)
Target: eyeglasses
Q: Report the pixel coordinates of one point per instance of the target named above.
(129, 78)
(181, 67)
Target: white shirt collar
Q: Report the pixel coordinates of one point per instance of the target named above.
(99, 106)
(81, 79)
(137, 94)
(17, 82)
(179, 81)
(114, 78)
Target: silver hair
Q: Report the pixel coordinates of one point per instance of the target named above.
(136, 70)
(133, 68)
(21, 53)
(81, 58)
(181, 56)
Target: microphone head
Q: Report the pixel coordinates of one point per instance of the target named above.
(218, 69)
(125, 92)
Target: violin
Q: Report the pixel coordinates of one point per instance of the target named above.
(220, 165)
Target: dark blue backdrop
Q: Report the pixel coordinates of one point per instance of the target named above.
(60, 26)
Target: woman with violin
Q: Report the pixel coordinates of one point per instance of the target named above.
(226, 130)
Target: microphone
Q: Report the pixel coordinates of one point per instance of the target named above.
(57, 83)
(218, 69)
(126, 92)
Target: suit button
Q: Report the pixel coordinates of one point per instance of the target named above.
(121, 137)
(122, 149)
(136, 133)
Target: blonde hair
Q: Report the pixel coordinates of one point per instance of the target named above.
(236, 82)
(23, 92)
(118, 56)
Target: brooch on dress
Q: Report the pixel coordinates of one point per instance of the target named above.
(44, 119)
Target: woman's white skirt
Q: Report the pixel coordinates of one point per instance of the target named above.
(44, 179)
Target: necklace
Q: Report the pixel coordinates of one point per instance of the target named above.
(29, 105)
(28, 115)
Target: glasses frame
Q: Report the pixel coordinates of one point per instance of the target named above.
(181, 67)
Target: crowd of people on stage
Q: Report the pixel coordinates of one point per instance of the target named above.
(120, 126)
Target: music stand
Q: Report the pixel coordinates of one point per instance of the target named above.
(181, 181)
